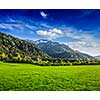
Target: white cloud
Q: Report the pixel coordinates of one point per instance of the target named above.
(2, 26)
(43, 14)
(45, 25)
(83, 41)
(51, 33)
(11, 19)
(6, 26)
(86, 44)
(18, 25)
(85, 47)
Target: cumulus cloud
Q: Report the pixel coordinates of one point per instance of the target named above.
(43, 14)
(67, 32)
(51, 33)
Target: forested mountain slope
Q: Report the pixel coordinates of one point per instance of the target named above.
(12, 48)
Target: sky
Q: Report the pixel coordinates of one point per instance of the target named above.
(77, 28)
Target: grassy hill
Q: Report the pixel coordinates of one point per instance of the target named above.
(28, 77)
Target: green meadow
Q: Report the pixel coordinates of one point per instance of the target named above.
(28, 77)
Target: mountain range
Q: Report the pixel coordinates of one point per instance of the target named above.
(12, 48)
(57, 50)
(98, 57)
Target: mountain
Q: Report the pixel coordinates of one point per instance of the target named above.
(12, 48)
(41, 52)
(57, 50)
(98, 57)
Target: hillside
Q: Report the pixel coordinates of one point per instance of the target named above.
(14, 49)
(57, 50)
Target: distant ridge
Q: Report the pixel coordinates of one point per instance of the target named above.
(98, 57)
(57, 50)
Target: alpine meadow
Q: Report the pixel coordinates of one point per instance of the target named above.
(49, 50)
(29, 77)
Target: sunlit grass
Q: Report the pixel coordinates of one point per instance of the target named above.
(48, 78)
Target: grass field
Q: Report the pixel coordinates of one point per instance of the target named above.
(28, 77)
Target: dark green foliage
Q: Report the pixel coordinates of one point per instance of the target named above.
(16, 50)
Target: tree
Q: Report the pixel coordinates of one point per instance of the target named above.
(3, 56)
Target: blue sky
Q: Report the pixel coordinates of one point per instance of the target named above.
(79, 29)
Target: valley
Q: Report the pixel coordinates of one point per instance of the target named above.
(49, 50)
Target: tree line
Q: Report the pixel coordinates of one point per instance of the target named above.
(48, 61)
